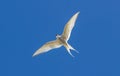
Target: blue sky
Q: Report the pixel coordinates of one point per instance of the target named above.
(96, 36)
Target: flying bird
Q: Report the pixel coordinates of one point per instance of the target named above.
(61, 40)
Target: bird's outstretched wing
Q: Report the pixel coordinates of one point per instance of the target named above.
(48, 46)
(69, 26)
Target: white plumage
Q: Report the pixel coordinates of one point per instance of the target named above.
(61, 40)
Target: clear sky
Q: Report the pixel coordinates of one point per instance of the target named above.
(25, 25)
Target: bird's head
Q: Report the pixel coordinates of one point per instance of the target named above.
(58, 36)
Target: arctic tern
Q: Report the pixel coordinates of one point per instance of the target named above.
(61, 40)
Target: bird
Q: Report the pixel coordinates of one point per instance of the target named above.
(61, 40)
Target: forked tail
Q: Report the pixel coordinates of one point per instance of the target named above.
(72, 48)
(69, 48)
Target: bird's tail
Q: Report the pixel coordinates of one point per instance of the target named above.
(69, 48)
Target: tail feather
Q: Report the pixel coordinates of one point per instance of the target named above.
(70, 47)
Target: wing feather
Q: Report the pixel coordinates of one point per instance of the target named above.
(69, 26)
(48, 46)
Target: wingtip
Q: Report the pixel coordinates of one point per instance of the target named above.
(34, 55)
(78, 12)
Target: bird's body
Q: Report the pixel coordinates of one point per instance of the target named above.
(61, 40)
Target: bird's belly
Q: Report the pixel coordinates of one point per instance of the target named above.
(62, 40)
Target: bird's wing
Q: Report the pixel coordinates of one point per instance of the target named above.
(69, 26)
(48, 46)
